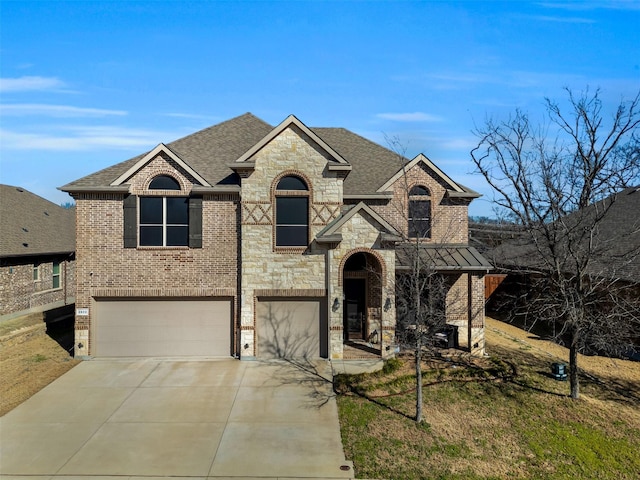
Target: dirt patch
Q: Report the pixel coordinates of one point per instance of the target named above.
(29, 361)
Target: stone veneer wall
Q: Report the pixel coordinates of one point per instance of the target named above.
(290, 271)
(106, 269)
(476, 312)
(358, 235)
(19, 291)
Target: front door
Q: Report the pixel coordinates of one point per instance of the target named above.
(354, 308)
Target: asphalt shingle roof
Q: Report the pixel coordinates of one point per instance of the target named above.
(210, 151)
(615, 244)
(32, 225)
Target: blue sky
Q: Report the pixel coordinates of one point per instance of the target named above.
(84, 85)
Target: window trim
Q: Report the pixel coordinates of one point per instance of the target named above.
(130, 227)
(55, 275)
(164, 222)
(419, 198)
(291, 194)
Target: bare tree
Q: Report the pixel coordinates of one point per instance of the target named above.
(422, 291)
(561, 182)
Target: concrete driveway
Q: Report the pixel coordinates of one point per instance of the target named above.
(148, 418)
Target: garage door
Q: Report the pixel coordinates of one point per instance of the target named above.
(292, 328)
(155, 328)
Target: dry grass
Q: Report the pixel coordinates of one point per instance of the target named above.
(501, 417)
(29, 360)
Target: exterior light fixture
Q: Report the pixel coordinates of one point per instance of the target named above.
(387, 304)
(336, 304)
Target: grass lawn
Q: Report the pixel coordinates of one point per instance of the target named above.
(494, 418)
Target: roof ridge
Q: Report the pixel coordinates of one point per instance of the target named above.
(216, 125)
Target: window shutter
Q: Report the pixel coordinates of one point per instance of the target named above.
(130, 205)
(195, 222)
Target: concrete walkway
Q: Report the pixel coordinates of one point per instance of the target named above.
(185, 419)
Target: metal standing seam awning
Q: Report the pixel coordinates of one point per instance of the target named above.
(462, 258)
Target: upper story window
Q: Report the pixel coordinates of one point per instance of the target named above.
(164, 221)
(292, 212)
(419, 212)
(164, 182)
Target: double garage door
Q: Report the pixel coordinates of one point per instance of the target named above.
(292, 328)
(156, 328)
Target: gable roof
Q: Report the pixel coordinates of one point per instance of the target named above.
(216, 151)
(331, 233)
(291, 120)
(453, 189)
(150, 156)
(32, 225)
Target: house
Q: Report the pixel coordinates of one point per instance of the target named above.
(599, 244)
(255, 241)
(37, 253)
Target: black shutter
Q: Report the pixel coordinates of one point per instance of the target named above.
(195, 222)
(130, 205)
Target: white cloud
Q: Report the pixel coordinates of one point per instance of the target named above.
(81, 138)
(29, 84)
(593, 5)
(549, 18)
(410, 117)
(59, 111)
(192, 116)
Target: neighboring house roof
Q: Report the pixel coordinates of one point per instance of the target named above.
(213, 152)
(615, 243)
(441, 257)
(32, 225)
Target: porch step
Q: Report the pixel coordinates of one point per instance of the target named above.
(359, 351)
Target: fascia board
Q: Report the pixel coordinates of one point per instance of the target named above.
(369, 196)
(467, 194)
(334, 238)
(161, 147)
(92, 189)
(216, 189)
(421, 158)
(339, 167)
(291, 119)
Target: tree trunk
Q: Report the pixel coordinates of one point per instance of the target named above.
(573, 370)
(419, 381)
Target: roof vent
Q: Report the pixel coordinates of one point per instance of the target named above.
(19, 189)
(25, 230)
(46, 213)
(25, 245)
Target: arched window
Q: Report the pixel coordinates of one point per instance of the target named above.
(164, 221)
(419, 212)
(292, 212)
(164, 182)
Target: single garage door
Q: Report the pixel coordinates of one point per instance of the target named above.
(158, 328)
(292, 328)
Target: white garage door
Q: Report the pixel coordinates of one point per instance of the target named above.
(156, 328)
(292, 328)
